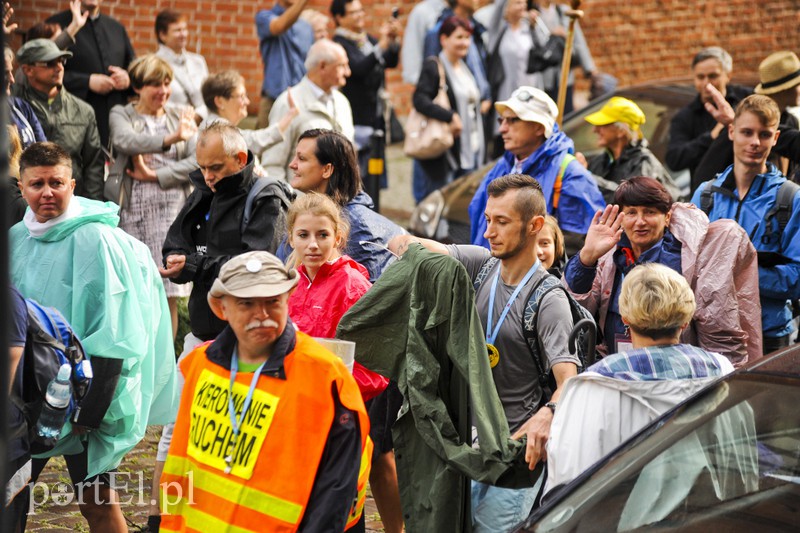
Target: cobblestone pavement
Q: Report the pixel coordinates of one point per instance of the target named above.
(59, 513)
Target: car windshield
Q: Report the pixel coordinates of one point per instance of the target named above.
(729, 461)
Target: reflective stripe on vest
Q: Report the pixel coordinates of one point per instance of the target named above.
(224, 487)
(268, 489)
(363, 476)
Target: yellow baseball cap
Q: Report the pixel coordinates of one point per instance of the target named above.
(618, 109)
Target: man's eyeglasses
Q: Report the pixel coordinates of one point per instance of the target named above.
(51, 64)
(508, 120)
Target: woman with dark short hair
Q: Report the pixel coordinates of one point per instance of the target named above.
(717, 260)
(464, 116)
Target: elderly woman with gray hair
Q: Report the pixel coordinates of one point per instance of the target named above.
(225, 96)
(618, 128)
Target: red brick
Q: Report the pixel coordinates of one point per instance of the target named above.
(635, 40)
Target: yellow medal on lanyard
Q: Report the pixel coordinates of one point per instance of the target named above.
(491, 334)
(494, 355)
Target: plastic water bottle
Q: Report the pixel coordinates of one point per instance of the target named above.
(54, 410)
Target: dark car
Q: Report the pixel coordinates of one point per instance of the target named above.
(443, 215)
(727, 459)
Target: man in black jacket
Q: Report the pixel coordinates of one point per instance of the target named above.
(210, 230)
(97, 71)
(369, 58)
(693, 130)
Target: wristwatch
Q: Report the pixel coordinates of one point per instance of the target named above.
(551, 406)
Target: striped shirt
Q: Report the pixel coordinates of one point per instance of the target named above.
(677, 361)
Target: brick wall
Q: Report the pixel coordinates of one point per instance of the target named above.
(634, 40)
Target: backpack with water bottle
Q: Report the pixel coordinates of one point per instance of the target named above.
(50, 343)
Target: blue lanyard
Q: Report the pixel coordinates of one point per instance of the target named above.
(491, 334)
(231, 408)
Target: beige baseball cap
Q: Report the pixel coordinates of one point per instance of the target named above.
(253, 275)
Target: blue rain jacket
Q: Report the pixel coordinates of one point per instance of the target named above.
(580, 196)
(777, 284)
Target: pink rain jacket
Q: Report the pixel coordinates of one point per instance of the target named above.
(720, 263)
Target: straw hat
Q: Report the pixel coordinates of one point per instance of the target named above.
(778, 72)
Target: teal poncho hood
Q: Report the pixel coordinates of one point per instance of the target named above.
(107, 286)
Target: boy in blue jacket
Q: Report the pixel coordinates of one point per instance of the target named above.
(747, 192)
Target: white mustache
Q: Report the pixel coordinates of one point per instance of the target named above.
(268, 323)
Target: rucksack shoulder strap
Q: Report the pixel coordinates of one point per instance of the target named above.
(707, 197)
(784, 202)
(530, 319)
(483, 273)
(781, 210)
(562, 169)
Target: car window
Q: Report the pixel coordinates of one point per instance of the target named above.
(730, 462)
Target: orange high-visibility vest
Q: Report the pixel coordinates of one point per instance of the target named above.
(278, 452)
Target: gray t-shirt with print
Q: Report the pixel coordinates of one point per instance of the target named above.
(515, 374)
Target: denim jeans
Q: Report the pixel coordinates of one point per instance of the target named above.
(497, 510)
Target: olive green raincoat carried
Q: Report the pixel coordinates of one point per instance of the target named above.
(418, 326)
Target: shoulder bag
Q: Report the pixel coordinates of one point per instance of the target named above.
(426, 137)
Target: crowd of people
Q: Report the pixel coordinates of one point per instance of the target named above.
(133, 187)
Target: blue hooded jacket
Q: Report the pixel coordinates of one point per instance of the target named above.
(580, 196)
(367, 226)
(777, 284)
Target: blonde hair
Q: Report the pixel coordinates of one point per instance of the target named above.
(558, 236)
(14, 150)
(148, 70)
(762, 106)
(656, 301)
(319, 205)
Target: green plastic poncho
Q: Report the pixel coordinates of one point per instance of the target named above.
(107, 286)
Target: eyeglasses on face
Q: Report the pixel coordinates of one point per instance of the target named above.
(508, 120)
(52, 63)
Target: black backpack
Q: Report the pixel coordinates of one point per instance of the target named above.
(782, 210)
(279, 189)
(49, 343)
(582, 340)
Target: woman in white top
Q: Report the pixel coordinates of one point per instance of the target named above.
(465, 112)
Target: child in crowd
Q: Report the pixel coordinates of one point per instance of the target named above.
(330, 282)
(550, 247)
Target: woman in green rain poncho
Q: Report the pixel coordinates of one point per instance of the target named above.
(69, 254)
